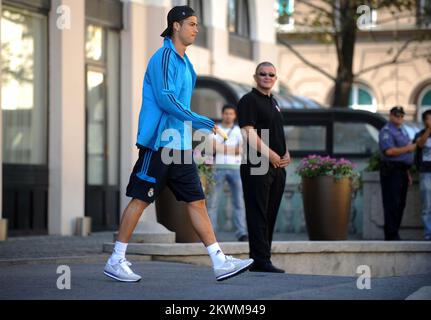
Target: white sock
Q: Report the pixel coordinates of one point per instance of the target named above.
(118, 253)
(217, 256)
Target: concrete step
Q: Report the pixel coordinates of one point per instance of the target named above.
(423, 293)
(308, 257)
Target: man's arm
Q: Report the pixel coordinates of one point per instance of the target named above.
(397, 151)
(423, 138)
(387, 145)
(163, 84)
(254, 141)
(225, 149)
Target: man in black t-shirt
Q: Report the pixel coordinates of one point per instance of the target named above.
(423, 162)
(262, 124)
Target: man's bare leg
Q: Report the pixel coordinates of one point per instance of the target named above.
(201, 222)
(224, 268)
(130, 219)
(117, 266)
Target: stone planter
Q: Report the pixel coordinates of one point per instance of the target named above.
(3, 229)
(326, 202)
(173, 215)
(373, 218)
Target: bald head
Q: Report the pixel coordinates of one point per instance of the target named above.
(263, 64)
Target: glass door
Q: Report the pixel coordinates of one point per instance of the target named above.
(102, 128)
(96, 125)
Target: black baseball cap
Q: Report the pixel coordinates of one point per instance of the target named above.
(177, 14)
(397, 110)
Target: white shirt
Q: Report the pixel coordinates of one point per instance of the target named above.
(235, 139)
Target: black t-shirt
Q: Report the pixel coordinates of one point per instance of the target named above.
(423, 155)
(262, 112)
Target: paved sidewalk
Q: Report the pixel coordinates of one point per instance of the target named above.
(39, 248)
(28, 268)
(164, 280)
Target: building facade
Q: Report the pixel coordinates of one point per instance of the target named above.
(71, 83)
(405, 83)
(72, 73)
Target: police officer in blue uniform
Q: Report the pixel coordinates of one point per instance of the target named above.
(397, 154)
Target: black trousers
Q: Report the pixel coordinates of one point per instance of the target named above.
(394, 183)
(262, 198)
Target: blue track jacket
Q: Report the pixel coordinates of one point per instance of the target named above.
(166, 96)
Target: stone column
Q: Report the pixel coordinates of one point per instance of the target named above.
(66, 115)
(3, 222)
(264, 33)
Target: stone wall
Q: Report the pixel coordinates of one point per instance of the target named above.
(411, 226)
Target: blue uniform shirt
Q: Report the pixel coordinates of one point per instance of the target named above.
(392, 137)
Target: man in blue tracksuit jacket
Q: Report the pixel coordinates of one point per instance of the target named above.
(164, 129)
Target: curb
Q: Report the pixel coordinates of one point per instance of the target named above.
(423, 293)
(99, 258)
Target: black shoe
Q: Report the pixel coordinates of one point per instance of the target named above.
(243, 238)
(393, 238)
(267, 267)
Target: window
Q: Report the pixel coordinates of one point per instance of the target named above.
(104, 22)
(361, 98)
(198, 7)
(424, 100)
(355, 138)
(306, 138)
(208, 102)
(423, 13)
(284, 14)
(102, 53)
(239, 29)
(94, 44)
(24, 87)
(239, 18)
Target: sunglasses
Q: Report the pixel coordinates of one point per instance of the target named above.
(263, 74)
(398, 115)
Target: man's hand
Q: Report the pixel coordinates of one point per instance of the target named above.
(219, 131)
(238, 149)
(393, 152)
(410, 178)
(411, 147)
(274, 158)
(285, 160)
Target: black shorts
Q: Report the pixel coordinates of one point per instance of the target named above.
(150, 176)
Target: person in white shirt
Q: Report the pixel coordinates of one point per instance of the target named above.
(423, 163)
(227, 161)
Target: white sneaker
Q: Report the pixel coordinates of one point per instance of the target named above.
(232, 267)
(121, 271)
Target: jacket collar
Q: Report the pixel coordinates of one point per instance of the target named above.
(167, 43)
